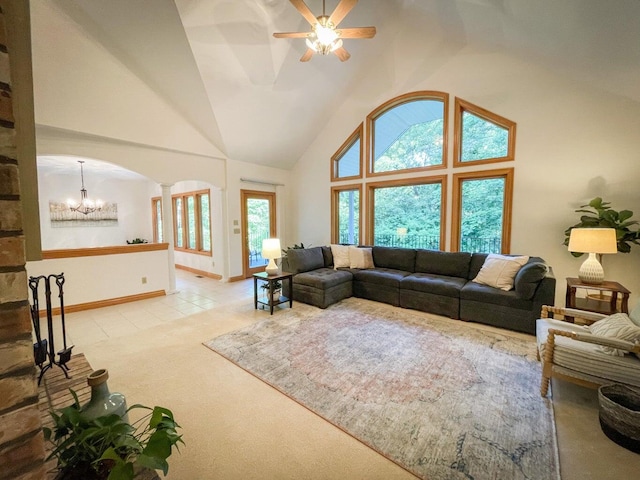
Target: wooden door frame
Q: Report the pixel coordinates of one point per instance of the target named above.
(244, 196)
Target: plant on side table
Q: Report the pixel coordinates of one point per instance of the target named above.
(277, 290)
(601, 215)
(109, 447)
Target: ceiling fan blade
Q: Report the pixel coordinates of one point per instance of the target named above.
(341, 11)
(304, 11)
(291, 35)
(342, 54)
(358, 32)
(307, 55)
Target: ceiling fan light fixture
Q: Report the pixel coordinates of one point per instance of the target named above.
(324, 39)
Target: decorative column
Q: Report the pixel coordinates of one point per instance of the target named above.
(167, 234)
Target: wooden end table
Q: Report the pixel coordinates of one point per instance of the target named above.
(608, 305)
(271, 280)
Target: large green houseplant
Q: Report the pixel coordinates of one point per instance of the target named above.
(598, 214)
(109, 447)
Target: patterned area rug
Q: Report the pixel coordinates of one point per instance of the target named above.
(441, 398)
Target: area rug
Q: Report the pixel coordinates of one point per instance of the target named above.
(441, 398)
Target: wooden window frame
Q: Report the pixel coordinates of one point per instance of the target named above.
(335, 192)
(462, 106)
(196, 194)
(405, 182)
(394, 102)
(358, 134)
(458, 178)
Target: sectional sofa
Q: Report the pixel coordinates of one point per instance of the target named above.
(427, 280)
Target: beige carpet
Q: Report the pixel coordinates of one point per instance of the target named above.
(442, 399)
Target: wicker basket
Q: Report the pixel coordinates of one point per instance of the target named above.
(620, 415)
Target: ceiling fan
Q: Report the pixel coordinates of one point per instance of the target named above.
(325, 37)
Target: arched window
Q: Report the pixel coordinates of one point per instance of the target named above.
(408, 133)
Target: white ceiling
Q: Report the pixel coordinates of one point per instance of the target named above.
(67, 165)
(217, 63)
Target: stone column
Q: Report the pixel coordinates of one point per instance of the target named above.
(167, 234)
(21, 439)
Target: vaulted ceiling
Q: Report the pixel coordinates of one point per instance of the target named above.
(217, 64)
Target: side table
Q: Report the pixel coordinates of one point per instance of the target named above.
(271, 280)
(608, 305)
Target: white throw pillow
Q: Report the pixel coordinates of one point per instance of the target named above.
(635, 315)
(360, 257)
(498, 271)
(618, 326)
(340, 256)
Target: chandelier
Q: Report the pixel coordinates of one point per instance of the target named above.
(324, 39)
(85, 206)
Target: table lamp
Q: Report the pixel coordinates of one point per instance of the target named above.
(271, 250)
(592, 241)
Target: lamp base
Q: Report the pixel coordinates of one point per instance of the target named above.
(591, 271)
(272, 268)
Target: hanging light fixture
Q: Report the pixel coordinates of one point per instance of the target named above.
(324, 39)
(85, 206)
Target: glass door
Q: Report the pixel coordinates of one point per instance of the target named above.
(258, 223)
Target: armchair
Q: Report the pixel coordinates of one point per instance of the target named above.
(570, 352)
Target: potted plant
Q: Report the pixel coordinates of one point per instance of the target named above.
(109, 447)
(135, 241)
(277, 290)
(598, 214)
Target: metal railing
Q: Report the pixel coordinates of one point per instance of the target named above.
(432, 242)
(255, 247)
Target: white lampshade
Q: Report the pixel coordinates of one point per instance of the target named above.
(592, 241)
(271, 250)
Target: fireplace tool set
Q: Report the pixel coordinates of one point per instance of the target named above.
(44, 349)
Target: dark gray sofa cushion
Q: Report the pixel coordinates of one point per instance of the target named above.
(328, 257)
(323, 278)
(435, 284)
(450, 264)
(493, 296)
(380, 276)
(394, 258)
(304, 259)
(528, 278)
(477, 260)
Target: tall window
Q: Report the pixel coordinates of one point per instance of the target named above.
(482, 211)
(156, 212)
(346, 163)
(408, 133)
(481, 136)
(191, 221)
(346, 203)
(407, 213)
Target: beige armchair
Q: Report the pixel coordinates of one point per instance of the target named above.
(570, 352)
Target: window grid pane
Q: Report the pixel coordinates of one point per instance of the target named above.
(482, 139)
(481, 221)
(348, 165)
(205, 223)
(410, 135)
(179, 223)
(408, 216)
(158, 208)
(349, 216)
(191, 219)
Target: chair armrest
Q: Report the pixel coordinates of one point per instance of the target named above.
(597, 340)
(549, 312)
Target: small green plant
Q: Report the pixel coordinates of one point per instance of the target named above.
(600, 215)
(295, 247)
(137, 240)
(277, 285)
(108, 447)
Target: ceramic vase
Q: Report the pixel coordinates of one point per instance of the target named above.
(103, 402)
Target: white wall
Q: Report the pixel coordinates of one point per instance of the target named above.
(573, 143)
(90, 279)
(131, 196)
